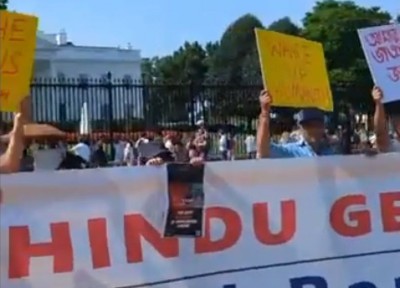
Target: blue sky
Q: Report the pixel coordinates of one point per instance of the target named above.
(158, 27)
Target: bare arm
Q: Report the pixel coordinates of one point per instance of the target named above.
(263, 129)
(381, 128)
(263, 136)
(10, 160)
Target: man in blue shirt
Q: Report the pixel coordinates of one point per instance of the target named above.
(312, 143)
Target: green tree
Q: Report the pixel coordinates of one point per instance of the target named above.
(3, 4)
(285, 25)
(335, 24)
(237, 42)
(179, 74)
(234, 64)
(149, 70)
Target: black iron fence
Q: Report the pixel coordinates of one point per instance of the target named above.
(124, 106)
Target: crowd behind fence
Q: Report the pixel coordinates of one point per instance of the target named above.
(125, 106)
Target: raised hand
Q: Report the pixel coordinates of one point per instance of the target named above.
(265, 101)
(377, 94)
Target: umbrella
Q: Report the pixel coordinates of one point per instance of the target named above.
(39, 131)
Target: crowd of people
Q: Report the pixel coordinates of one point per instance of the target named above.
(310, 138)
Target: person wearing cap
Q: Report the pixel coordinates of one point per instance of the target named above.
(311, 143)
(10, 160)
(383, 141)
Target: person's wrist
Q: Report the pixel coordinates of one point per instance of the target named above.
(264, 113)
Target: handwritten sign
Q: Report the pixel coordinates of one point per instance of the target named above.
(294, 70)
(17, 42)
(381, 47)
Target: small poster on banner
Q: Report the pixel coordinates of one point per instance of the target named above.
(185, 210)
(381, 47)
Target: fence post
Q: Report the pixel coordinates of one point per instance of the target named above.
(192, 104)
(110, 105)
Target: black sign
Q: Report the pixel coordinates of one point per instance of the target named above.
(186, 200)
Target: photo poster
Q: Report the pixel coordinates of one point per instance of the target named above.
(184, 217)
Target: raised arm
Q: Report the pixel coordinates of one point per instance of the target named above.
(381, 128)
(10, 160)
(263, 129)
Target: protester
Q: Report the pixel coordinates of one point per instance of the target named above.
(312, 127)
(72, 161)
(119, 146)
(27, 162)
(82, 150)
(156, 154)
(223, 145)
(142, 139)
(202, 139)
(231, 146)
(285, 138)
(383, 141)
(99, 156)
(10, 160)
(251, 146)
(180, 152)
(128, 154)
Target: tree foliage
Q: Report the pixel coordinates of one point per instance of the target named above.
(237, 44)
(335, 24)
(285, 25)
(232, 63)
(3, 4)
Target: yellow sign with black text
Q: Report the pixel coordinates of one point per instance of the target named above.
(294, 71)
(17, 51)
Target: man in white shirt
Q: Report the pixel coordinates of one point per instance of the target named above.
(128, 154)
(383, 140)
(82, 150)
(251, 146)
(142, 140)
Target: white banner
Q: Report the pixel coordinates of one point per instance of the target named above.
(329, 222)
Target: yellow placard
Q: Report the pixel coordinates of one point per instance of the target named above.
(294, 71)
(17, 51)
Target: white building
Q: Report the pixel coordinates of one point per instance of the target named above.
(58, 59)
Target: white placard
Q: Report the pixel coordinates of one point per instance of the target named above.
(381, 47)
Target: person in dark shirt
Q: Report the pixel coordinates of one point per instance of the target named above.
(99, 156)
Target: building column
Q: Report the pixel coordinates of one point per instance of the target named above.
(53, 70)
